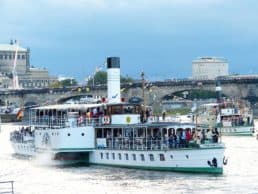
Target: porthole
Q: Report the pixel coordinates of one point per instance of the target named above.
(68, 134)
(82, 134)
(187, 156)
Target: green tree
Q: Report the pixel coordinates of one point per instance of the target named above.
(64, 83)
(68, 82)
(101, 78)
(55, 84)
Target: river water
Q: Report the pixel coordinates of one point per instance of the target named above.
(32, 177)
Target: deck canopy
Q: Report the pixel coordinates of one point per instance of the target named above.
(83, 107)
(68, 107)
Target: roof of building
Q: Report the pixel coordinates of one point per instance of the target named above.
(11, 47)
(210, 59)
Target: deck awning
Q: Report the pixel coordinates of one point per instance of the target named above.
(68, 107)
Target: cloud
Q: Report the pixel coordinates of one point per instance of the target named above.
(65, 32)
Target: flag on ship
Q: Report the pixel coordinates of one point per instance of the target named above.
(19, 115)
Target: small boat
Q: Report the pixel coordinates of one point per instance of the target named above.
(231, 117)
(119, 134)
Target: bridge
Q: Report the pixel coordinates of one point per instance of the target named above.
(246, 88)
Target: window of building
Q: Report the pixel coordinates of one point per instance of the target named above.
(107, 156)
(134, 156)
(1, 56)
(10, 56)
(162, 157)
(113, 156)
(5, 57)
(101, 155)
(126, 157)
(23, 57)
(142, 157)
(18, 56)
(151, 157)
(120, 156)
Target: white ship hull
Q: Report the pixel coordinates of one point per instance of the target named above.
(181, 160)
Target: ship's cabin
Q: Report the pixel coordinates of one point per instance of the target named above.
(154, 136)
(77, 115)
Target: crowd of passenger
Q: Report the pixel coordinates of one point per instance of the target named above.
(20, 135)
(178, 139)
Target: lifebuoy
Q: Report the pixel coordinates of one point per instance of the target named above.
(106, 120)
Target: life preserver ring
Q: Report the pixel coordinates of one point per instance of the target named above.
(106, 120)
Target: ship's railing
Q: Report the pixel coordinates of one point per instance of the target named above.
(21, 137)
(235, 124)
(149, 144)
(60, 122)
(6, 187)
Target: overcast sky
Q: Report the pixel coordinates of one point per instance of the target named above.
(161, 37)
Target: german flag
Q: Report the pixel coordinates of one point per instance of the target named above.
(19, 115)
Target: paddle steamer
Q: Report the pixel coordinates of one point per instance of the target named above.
(119, 134)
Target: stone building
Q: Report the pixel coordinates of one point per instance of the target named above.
(29, 77)
(208, 68)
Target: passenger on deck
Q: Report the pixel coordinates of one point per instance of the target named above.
(188, 136)
(183, 138)
(199, 137)
(177, 140)
(88, 116)
(215, 135)
(203, 136)
(209, 135)
(170, 141)
(164, 115)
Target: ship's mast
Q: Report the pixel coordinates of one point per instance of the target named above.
(14, 72)
(143, 95)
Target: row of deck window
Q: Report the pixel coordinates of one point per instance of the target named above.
(133, 156)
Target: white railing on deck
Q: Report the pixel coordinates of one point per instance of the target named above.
(60, 122)
(140, 143)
